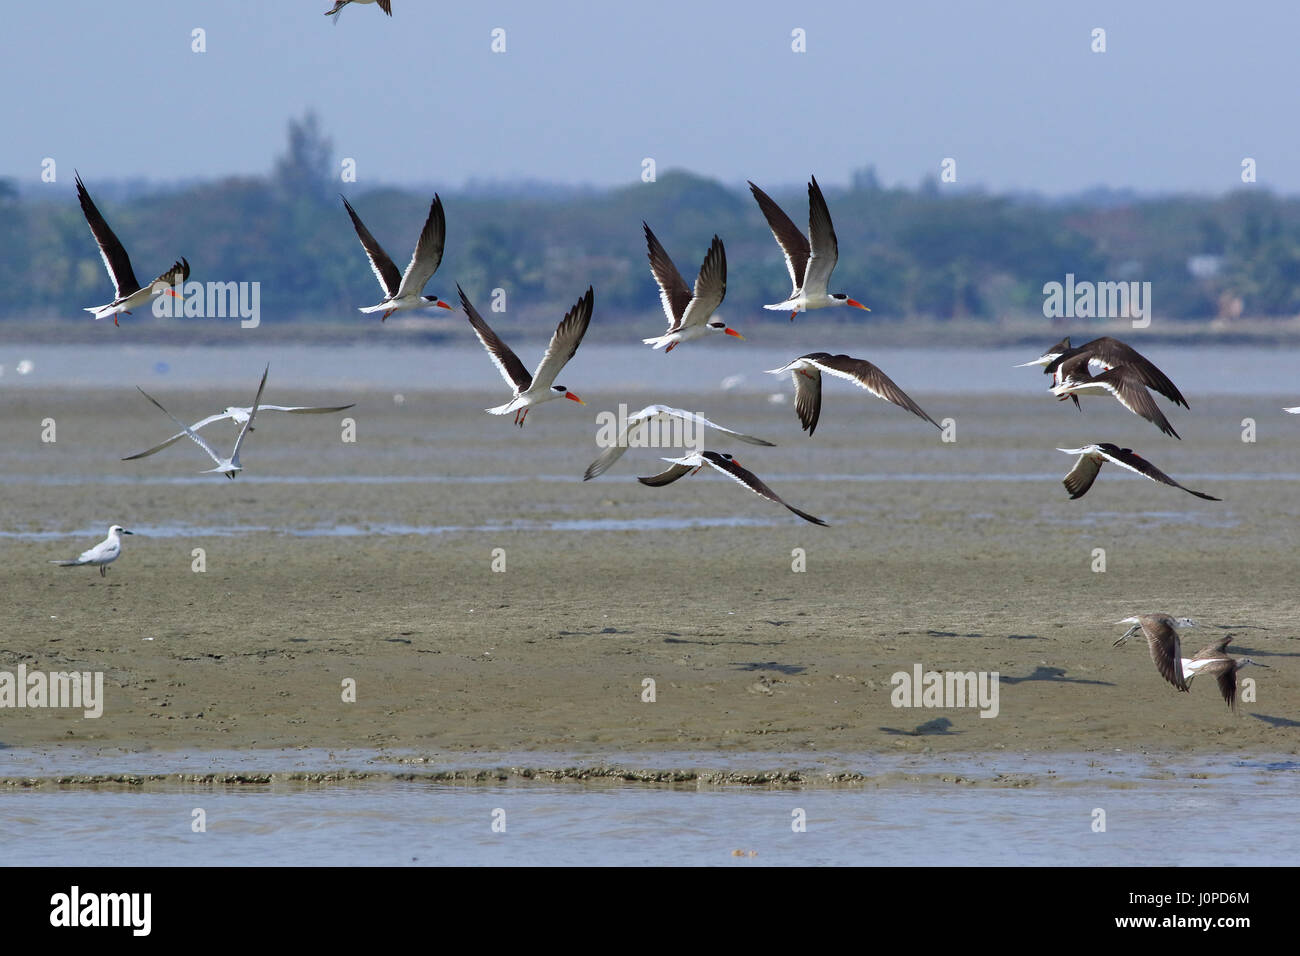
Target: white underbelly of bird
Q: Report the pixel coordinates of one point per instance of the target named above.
(673, 339)
(802, 303)
(533, 397)
(405, 304)
(133, 301)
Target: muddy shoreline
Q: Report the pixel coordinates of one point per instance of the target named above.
(746, 654)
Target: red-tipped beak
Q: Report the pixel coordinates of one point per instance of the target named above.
(858, 305)
(444, 305)
(172, 292)
(574, 398)
(735, 333)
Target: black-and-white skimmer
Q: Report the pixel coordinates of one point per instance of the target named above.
(239, 416)
(1050, 356)
(688, 312)
(102, 554)
(728, 465)
(807, 370)
(538, 387)
(1163, 641)
(404, 291)
(1124, 382)
(128, 293)
(225, 466)
(1108, 353)
(385, 5)
(1122, 372)
(1092, 457)
(810, 259)
(661, 414)
(1213, 659)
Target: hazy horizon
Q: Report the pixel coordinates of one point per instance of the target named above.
(582, 94)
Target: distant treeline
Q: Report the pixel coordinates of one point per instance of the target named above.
(931, 252)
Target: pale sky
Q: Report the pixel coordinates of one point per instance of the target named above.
(585, 90)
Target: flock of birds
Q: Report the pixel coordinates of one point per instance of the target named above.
(1166, 646)
(810, 259)
(1100, 367)
(1107, 366)
(1126, 374)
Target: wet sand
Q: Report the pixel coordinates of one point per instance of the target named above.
(956, 572)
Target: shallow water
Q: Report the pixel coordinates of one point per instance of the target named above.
(1200, 370)
(1036, 810)
(967, 555)
(382, 530)
(1139, 519)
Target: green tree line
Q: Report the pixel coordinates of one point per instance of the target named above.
(929, 252)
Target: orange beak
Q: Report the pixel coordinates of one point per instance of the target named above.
(444, 305)
(574, 398)
(735, 333)
(858, 305)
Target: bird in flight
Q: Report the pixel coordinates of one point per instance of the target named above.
(688, 312)
(403, 291)
(661, 415)
(728, 465)
(230, 466)
(1121, 371)
(537, 387)
(1166, 649)
(807, 370)
(1092, 457)
(239, 416)
(809, 259)
(1050, 356)
(385, 5)
(1213, 659)
(1163, 641)
(128, 293)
